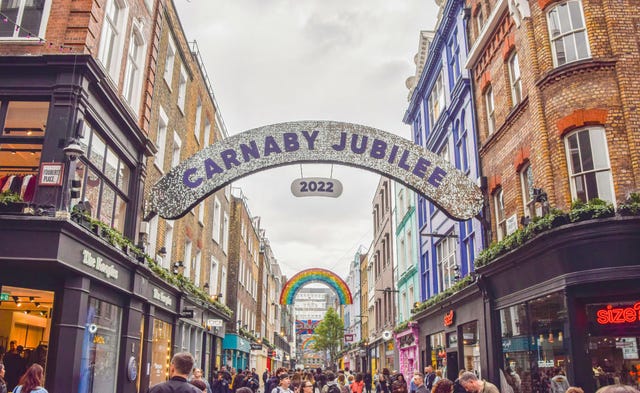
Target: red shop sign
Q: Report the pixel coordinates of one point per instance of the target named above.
(448, 318)
(611, 315)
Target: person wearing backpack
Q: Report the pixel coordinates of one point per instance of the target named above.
(332, 385)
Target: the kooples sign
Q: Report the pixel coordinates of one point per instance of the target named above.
(315, 141)
(96, 263)
(618, 315)
(162, 297)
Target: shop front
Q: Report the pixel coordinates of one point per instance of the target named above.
(452, 334)
(407, 342)
(236, 351)
(567, 302)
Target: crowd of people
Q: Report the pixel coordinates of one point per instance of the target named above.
(184, 378)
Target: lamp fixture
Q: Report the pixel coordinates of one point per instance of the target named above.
(73, 150)
(205, 286)
(162, 252)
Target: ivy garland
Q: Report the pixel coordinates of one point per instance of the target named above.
(115, 238)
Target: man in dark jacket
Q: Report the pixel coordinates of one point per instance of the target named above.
(367, 381)
(220, 384)
(181, 366)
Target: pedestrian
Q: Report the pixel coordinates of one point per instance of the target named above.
(366, 378)
(197, 376)
(618, 388)
(283, 386)
(358, 385)
(418, 379)
(265, 378)
(575, 389)
(429, 377)
(3, 383)
(559, 382)
(332, 385)
(457, 387)
(443, 385)
(199, 384)
(383, 385)
(220, 384)
(412, 382)
(472, 384)
(31, 381)
(181, 366)
(14, 364)
(307, 386)
(399, 384)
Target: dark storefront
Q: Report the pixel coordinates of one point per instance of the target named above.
(452, 334)
(93, 315)
(568, 301)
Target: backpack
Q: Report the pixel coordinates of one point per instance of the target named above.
(333, 389)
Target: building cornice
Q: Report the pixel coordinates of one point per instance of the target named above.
(485, 35)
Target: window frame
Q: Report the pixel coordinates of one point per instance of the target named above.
(450, 259)
(515, 79)
(36, 35)
(113, 61)
(500, 213)
(182, 89)
(571, 33)
(134, 70)
(437, 101)
(605, 151)
(527, 190)
(490, 109)
(161, 139)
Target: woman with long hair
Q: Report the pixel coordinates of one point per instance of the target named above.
(31, 381)
(3, 383)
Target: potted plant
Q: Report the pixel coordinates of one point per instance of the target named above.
(11, 202)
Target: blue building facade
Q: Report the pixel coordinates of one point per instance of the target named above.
(441, 114)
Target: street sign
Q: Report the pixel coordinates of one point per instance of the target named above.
(256, 347)
(214, 322)
(348, 338)
(4, 297)
(186, 313)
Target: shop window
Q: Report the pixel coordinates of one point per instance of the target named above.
(588, 162)
(24, 331)
(132, 88)
(438, 353)
(460, 140)
(568, 34)
(613, 337)
(501, 218)
(490, 105)
(100, 349)
(105, 178)
(160, 352)
(23, 132)
(514, 79)
(30, 15)
(447, 263)
(535, 342)
(471, 347)
(112, 37)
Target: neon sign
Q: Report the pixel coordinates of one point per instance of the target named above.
(448, 318)
(611, 315)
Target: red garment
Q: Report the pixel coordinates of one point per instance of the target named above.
(356, 387)
(30, 191)
(3, 180)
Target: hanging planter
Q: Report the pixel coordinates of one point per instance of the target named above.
(11, 203)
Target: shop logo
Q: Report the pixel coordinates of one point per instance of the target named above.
(162, 297)
(96, 263)
(610, 315)
(448, 318)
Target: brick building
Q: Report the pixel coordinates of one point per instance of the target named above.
(184, 119)
(556, 90)
(381, 345)
(242, 287)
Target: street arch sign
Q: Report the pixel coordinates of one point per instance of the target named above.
(275, 145)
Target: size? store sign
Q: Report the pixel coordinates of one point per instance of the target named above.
(617, 315)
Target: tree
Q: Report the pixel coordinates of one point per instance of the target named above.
(329, 334)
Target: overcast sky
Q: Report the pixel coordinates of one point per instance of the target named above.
(273, 61)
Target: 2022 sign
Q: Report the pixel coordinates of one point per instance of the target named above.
(316, 186)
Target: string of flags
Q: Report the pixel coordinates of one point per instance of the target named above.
(31, 35)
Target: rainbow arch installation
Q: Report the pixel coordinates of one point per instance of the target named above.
(323, 276)
(307, 343)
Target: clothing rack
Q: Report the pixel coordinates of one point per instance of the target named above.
(16, 169)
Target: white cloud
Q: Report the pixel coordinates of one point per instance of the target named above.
(274, 61)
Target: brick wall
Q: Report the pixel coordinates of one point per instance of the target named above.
(601, 90)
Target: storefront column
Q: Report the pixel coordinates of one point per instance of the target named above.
(130, 348)
(67, 334)
(147, 342)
